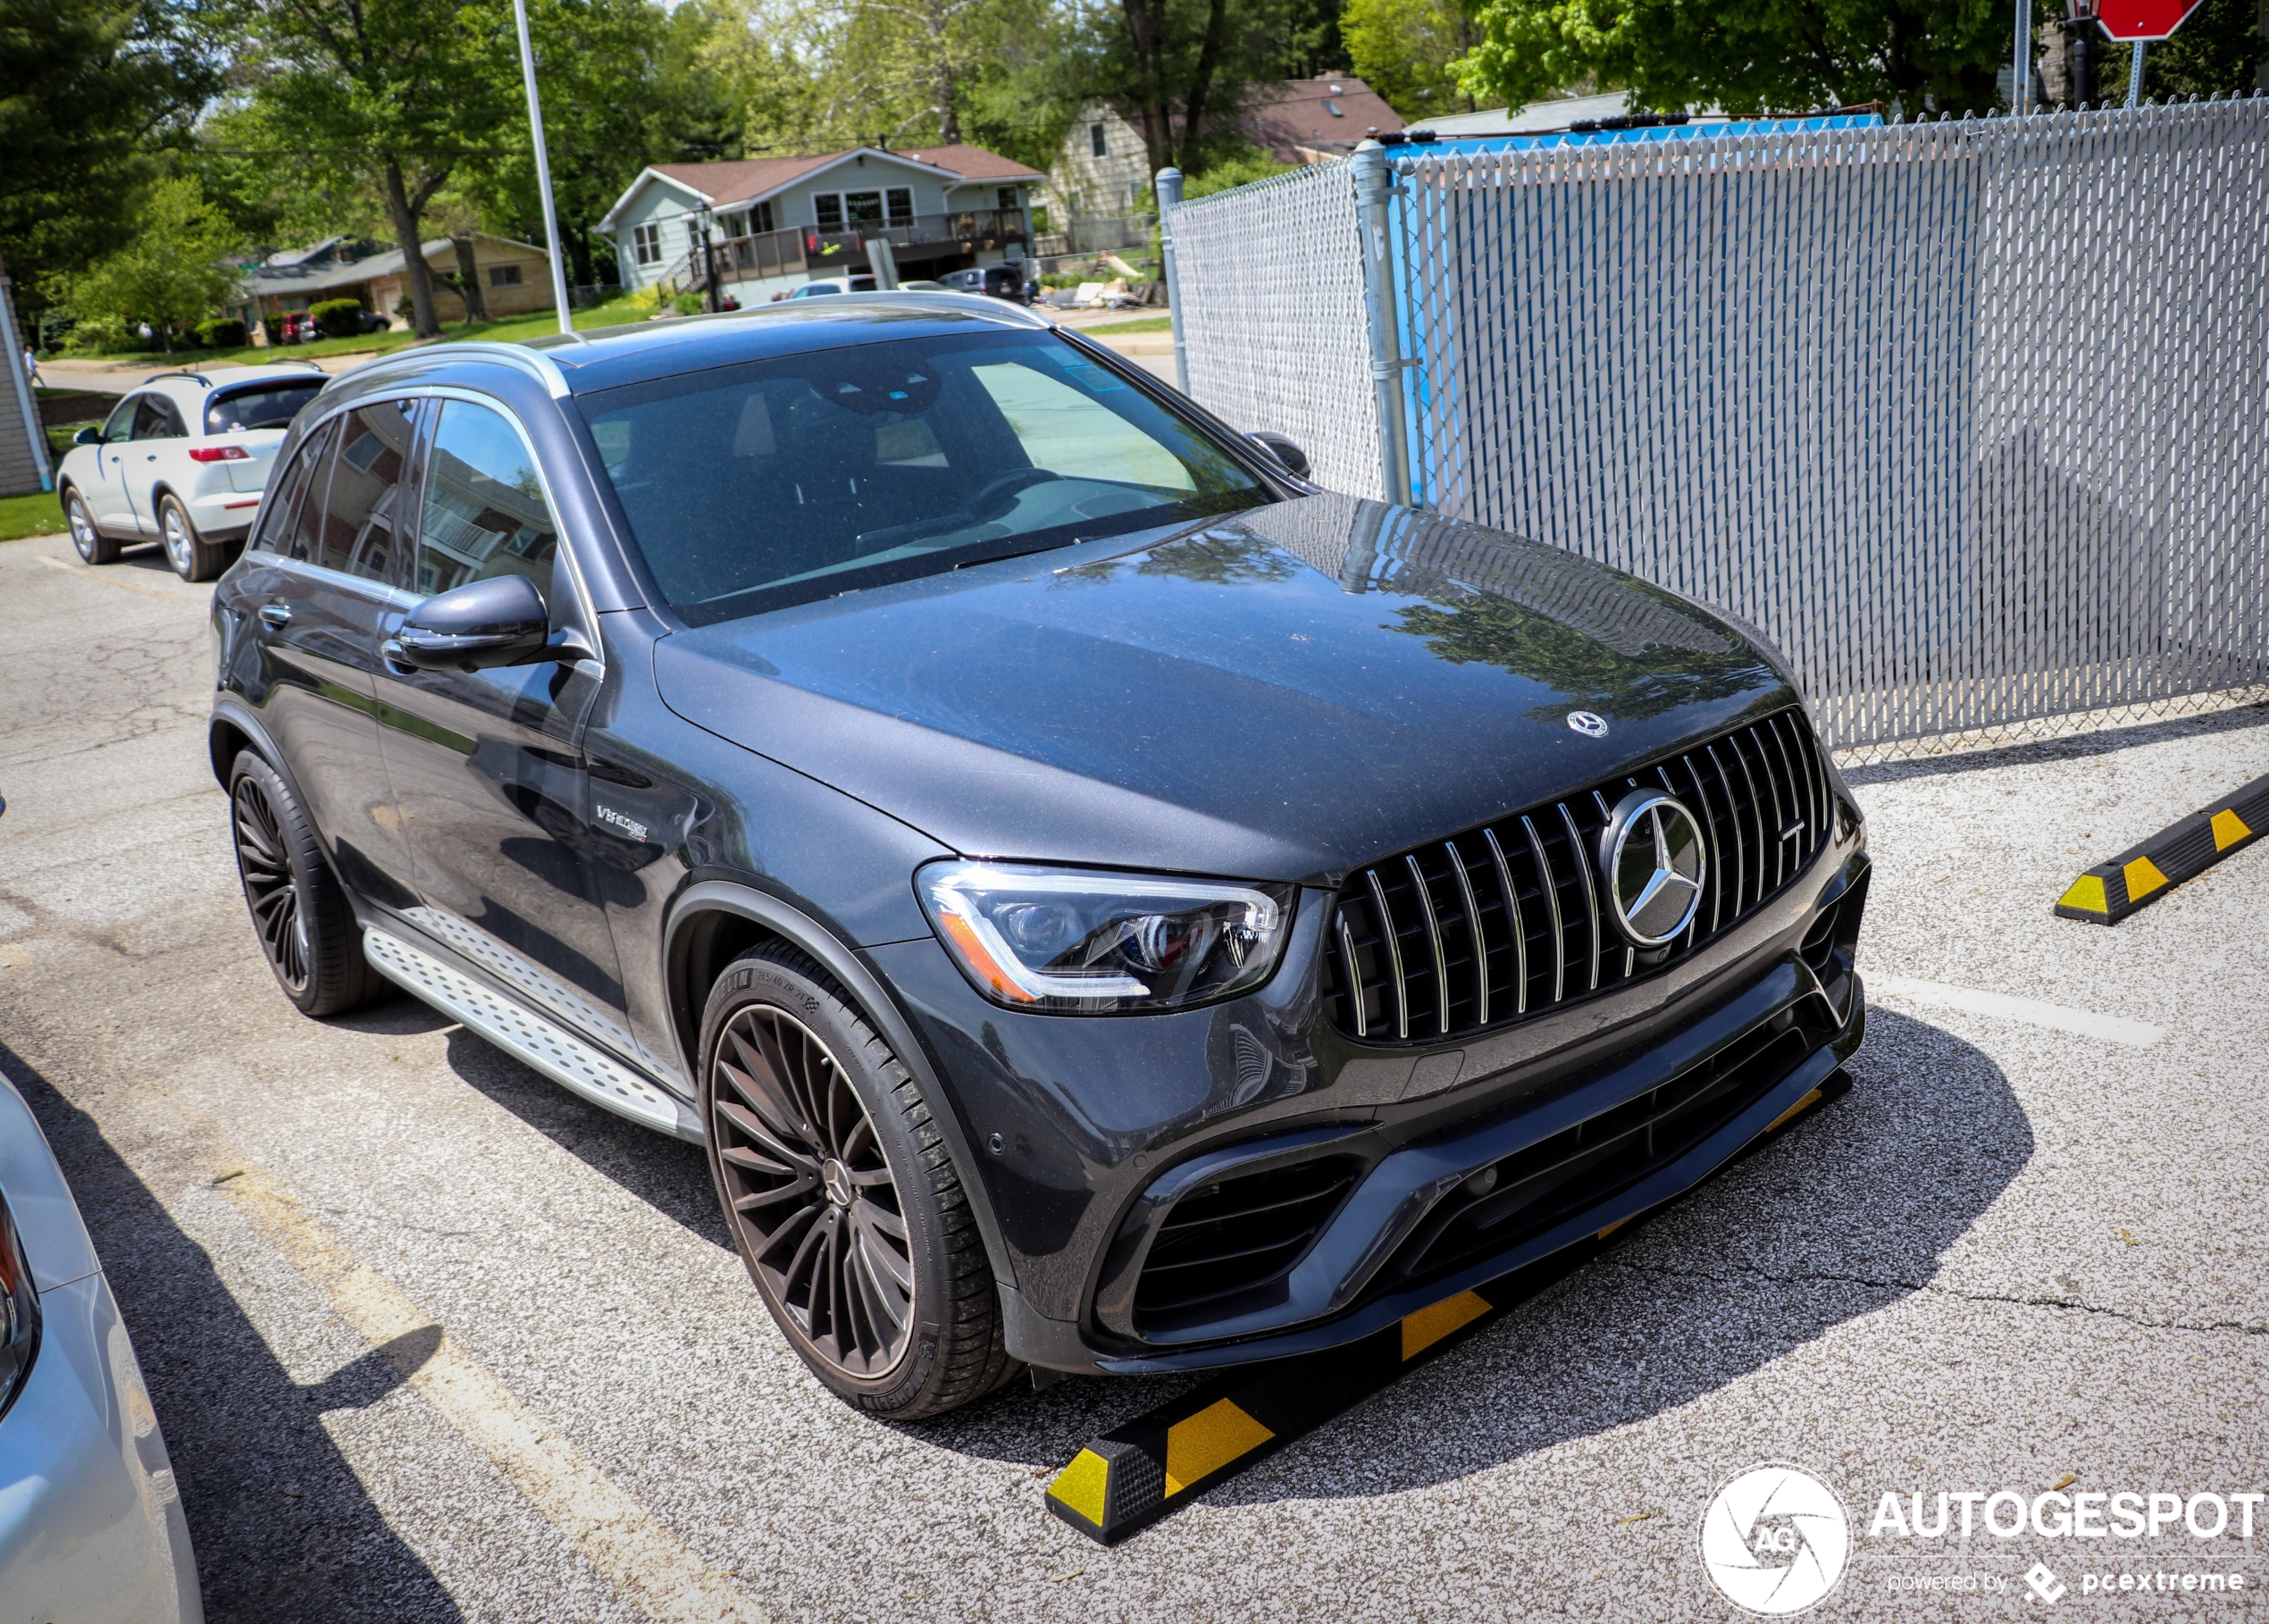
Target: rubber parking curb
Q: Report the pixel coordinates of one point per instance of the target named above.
(1129, 1477)
(2143, 874)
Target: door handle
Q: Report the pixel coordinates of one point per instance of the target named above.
(275, 617)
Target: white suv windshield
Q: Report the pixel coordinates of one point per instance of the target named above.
(781, 481)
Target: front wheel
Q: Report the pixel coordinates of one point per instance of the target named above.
(305, 924)
(842, 1198)
(92, 545)
(193, 558)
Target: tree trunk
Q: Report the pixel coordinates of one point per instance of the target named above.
(476, 300)
(1202, 82)
(1143, 28)
(414, 273)
(948, 95)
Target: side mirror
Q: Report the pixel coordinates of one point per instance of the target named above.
(1282, 449)
(91, 435)
(501, 620)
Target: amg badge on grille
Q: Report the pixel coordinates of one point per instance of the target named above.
(1589, 724)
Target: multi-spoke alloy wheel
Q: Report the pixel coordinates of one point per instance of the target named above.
(91, 545)
(808, 1187)
(842, 1195)
(270, 890)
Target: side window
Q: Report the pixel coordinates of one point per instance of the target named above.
(293, 526)
(155, 419)
(121, 422)
(362, 514)
(484, 512)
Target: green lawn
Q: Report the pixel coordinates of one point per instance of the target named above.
(1164, 323)
(507, 329)
(36, 514)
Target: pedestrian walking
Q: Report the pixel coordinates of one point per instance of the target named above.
(31, 367)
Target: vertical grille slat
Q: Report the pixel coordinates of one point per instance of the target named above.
(1520, 925)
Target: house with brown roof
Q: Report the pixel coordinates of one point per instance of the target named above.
(762, 226)
(1313, 120)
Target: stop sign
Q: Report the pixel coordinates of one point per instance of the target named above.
(2143, 18)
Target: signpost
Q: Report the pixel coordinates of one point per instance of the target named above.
(2140, 22)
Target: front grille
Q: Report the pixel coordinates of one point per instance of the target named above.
(1241, 1233)
(1581, 1166)
(1507, 921)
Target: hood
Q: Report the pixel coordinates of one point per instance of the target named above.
(1284, 695)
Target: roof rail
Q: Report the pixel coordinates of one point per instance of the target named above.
(298, 361)
(541, 366)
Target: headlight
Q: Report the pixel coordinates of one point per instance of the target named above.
(18, 1312)
(1071, 941)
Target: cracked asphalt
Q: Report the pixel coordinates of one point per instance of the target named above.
(2012, 1257)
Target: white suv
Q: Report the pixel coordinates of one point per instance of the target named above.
(182, 461)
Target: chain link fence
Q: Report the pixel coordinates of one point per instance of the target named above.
(1968, 417)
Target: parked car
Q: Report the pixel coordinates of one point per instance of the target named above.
(1103, 902)
(824, 287)
(1000, 281)
(91, 1519)
(182, 461)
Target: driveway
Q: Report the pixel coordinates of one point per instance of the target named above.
(431, 1339)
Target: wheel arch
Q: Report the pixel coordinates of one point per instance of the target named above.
(716, 921)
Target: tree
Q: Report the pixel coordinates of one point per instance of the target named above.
(88, 90)
(1180, 68)
(171, 272)
(395, 93)
(1748, 56)
(1406, 49)
(2218, 51)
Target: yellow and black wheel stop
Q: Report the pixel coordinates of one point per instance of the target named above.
(2143, 874)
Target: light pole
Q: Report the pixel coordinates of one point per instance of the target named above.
(2021, 70)
(543, 169)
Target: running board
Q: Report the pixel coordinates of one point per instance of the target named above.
(528, 1038)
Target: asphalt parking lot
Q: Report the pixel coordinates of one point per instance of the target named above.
(431, 1339)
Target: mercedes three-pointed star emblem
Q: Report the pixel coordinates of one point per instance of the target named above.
(1653, 860)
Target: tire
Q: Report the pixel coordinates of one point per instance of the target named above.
(842, 1196)
(93, 547)
(192, 557)
(299, 911)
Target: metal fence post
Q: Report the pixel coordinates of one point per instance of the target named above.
(1170, 198)
(1372, 184)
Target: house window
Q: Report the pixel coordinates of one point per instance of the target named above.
(760, 218)
(1096, 144)
(736, 224)
(504, 276)
(646, 243)
(902, 202)
(854, 211)
(1005, 199)
(693, 237)
(827, 211)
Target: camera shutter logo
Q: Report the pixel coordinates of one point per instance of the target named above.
(1651, 857)
(1775, 1540)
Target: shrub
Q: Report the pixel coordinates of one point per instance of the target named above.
(273, 327)
(107, 336)
(687, 304)
(337, 318)
(221, 332)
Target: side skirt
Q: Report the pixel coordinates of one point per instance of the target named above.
(530, 1039)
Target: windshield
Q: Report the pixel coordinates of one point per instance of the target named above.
(782, 481)
(260, 405)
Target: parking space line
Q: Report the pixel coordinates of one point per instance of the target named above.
(641, 1557)
(2027, 1011)
(123, 584)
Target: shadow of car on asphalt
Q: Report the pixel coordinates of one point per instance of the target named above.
(1845, 1213)
(238, 1428)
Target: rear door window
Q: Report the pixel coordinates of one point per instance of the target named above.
(361, 511)
(155, 419)
(484, 512)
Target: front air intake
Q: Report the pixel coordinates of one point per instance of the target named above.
(1239, 1234)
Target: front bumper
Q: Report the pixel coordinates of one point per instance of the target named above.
(1093, 1127)
(90, 1521)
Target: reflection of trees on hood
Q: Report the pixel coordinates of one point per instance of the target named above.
(1216, 560)
(1483, 629)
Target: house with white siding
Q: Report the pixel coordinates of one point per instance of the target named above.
(770, 224)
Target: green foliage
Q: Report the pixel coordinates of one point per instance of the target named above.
(221, 332)
(1238, 165)
(88, 90)
(2218, 51)
(1405, 49)
(337, 318)
(687, 304)
(1748, 56)
(105, 336)
(169, 273)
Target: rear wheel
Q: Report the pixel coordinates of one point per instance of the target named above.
(306, 926)
(93, 547)
(193, 558)
(842, 1196)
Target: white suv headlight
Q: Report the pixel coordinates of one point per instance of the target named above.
(1079, 941)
